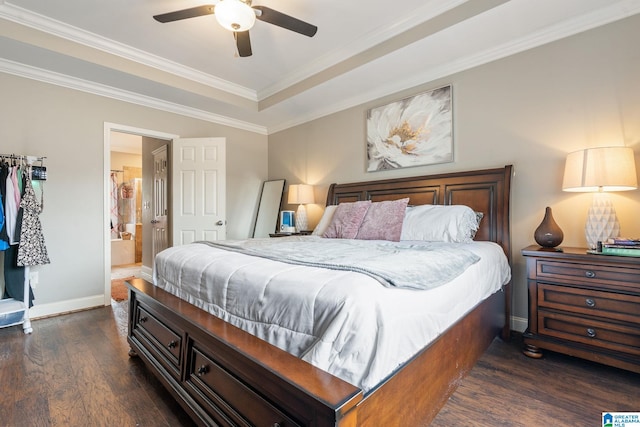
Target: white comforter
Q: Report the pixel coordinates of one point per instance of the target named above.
(345, 323)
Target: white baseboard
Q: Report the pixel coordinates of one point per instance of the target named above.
(68, 306)
(518, 324)
(146, 273)
(78, 304)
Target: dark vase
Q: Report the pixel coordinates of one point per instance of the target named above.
(548, 234)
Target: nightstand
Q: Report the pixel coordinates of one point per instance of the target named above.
(584, 305)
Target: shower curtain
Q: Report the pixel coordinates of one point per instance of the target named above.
(115, 225)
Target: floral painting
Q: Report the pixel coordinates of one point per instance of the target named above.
(411, 132)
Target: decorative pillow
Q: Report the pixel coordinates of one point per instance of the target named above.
(327, 215)
(347, 219)
(383, 221)
(439, 223)
(479, 216)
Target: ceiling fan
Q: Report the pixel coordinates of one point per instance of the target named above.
(239, 16)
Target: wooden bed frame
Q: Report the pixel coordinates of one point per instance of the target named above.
(222, 375)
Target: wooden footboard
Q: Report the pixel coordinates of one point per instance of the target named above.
(414, 395)
(222, 375)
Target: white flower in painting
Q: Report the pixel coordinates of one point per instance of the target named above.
(411, 132)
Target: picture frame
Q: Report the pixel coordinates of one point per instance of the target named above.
(413, 131)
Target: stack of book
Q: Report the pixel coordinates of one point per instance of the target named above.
(622, 246)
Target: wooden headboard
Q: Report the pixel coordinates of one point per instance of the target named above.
(485, 191)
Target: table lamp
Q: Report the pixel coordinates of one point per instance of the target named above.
(301, 194)
(600, 170)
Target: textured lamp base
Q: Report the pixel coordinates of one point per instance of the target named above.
(302, 223)
(602, 221)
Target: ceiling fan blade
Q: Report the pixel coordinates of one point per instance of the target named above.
(243, 41)
(185, 13)
(285, 21)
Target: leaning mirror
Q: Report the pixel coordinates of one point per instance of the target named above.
(269, 208)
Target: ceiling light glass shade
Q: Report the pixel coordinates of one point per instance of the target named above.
(301, 194)
(598, 170)
(235, 15)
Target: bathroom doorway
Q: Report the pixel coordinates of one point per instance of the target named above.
(128, 201)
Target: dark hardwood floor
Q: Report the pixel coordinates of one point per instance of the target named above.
(74, 371)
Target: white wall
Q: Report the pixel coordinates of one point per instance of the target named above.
(528, 110)
(67, 127)
(119, 160)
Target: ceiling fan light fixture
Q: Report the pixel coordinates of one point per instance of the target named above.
(235, 15)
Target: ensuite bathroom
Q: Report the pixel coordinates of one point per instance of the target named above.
(126, 208)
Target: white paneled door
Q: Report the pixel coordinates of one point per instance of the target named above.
(198, 189)
(160, 233)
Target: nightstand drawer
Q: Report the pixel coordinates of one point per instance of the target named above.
(607, 335)
(584, 273)
(608, 305)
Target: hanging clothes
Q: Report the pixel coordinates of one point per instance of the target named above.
(21, 186)
(11, 207)
(115, 226)
(14, 280)
(16, 177)
(4, 245)
(4, 174)
(20, 230)
(31, 249)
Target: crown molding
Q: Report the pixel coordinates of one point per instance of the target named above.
(51, 26)
(46, 76)
(559, 31)
(611, 13)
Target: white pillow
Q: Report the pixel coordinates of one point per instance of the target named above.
(439, 223)
(327, 216)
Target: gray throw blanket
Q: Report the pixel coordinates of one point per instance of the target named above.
(404, 265)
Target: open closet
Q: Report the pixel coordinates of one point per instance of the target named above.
(21, 238)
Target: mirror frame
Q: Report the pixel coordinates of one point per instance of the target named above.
(266, 221)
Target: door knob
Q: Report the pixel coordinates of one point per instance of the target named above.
(220, 223)
(154, 221)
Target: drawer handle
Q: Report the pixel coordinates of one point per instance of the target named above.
(172, 344)
(202, 370)
(591, 333)
(590, 274)
(143, 319)
(590, 302)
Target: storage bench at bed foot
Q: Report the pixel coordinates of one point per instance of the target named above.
(159, 339)
(222, 393)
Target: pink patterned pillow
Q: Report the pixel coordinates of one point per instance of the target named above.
(383, 221)
(347, 219)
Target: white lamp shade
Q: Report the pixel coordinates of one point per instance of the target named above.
(235, 15)
(300, 194)
(600, 169)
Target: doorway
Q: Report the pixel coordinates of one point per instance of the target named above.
(125, 204)
(131, 144)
